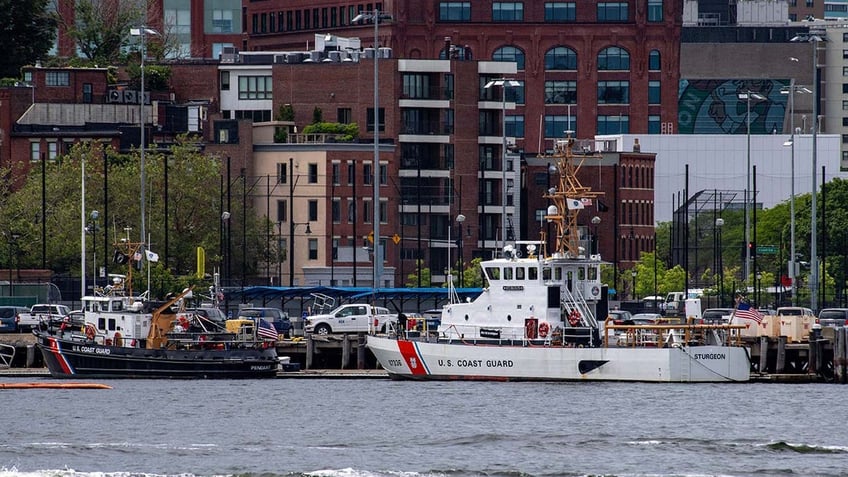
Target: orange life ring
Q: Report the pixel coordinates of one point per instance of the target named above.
(544, 329)
(90, 332)
(118, 340)
(574, 318)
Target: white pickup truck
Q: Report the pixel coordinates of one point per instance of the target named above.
(352, 318)
(42, 312)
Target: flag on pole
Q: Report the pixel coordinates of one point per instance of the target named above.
(266, 330)
(746, 311)
(574, 204)
(151, 256)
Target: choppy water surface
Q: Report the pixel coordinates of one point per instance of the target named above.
(282, 427)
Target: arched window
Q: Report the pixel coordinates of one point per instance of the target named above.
(561, 58)
(613, 58)
(509, 53)
(654, 60)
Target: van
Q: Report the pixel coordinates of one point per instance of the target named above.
(675, 302)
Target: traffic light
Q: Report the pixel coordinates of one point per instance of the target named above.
(752, 248)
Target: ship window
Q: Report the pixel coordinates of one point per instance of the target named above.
(581, 273)
(111, 324)
(546, 273)
(507, 273)
(558, 274)
(117, 305)
(493, 273)
(101, 323)
(593, 273)
(533, 273)
(519, 273)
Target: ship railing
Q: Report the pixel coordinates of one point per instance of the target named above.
(576, 301)
(7, 355)
(664, 335)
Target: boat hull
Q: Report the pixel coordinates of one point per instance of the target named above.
(457, 360)
(71, 359)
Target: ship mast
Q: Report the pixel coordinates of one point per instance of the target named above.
(568, 197)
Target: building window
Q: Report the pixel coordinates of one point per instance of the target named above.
(613, 92)
(560, 12)
(336, 211)
(57, 78)
(282, 173)
(351, 211)
(654, 60)
(282, 211)
(313, 210)
(369, 122)
(515, 126)
(218, 49)
(344, 115)
(313, 249)
(454, 11)
(561, 58)
(654, 124)
(612, 12)
(367, 174)
(613, 58)
(177, 17)
(654, 92)
(416, 86)
(560, 92)
(52, 150)
(384, 173)
(845, 105)
(509, 54)
(655, 10)
(337, 172)
(225, 81)
(844, 88)
(255, 87)
(87, 93)
(556, 125)
(221, 21)
(614, 124)
(34, 151)
(507, 11)
(313, 173)
(351, 173)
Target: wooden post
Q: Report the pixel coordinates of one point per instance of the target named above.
(840, 354)
(310, 349)
(360, 352)
(812, 356)
(764, 345)
(780, 362)
(345, 351)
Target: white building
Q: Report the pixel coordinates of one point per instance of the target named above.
(717, 162)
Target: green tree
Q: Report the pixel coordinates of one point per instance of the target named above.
(28, 31)
(101, 28)
(412, 278)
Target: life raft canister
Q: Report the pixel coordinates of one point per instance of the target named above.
(544, 329)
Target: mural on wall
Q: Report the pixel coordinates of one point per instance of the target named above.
(714, 107)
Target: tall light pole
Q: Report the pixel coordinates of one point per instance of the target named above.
(375, 16)
(503, 83)
(747, 95)
(793, 88)
(719, 223)
(814, 40)
(142, 32)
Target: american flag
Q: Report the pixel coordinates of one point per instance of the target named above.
(266, 330)
(744, 310)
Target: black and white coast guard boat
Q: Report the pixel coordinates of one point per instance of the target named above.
(537, 319)
(120, 335)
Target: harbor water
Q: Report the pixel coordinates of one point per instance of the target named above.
(324, 427)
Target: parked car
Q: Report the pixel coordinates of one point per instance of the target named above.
(620, 316)
(716, 316)
(215, 315)
(275, 316)
(833, 317)
(9, 316)
(645, 318)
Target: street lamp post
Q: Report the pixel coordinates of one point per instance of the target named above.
(225, 218)
(142, 32)
(747, 95)
(633, 275)
(814, 40)
(503, 83)
(292, 226)
(375, 16)
(459, 220)
(13, 241)
(759, 291)
(719, 222)
(793, 88)
(92, 228)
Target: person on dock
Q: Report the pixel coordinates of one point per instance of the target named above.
(401, 324)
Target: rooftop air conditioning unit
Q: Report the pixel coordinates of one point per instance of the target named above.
(115, 96)
(130, 96)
